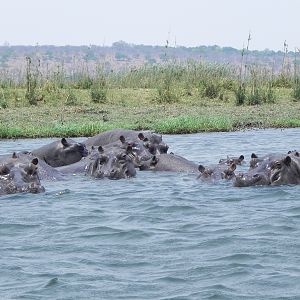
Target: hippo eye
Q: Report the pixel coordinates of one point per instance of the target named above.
(4, 170)
(30, 172)
(277, 165)
(102, 160)
(121, 156)
(255, 175)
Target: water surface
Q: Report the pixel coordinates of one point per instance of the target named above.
(156, 236)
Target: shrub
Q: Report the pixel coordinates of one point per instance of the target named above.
(31, 82)
(3, 103)
(71, 98)
(84, 82)
(210, 89)
(166, 91)
(296, 89)
(240, 95)
(99, 90)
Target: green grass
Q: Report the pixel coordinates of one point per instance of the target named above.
(137, 109)
(191, 124)
(168, 98)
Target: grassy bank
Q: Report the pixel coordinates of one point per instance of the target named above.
(170, 98)
(138, 109)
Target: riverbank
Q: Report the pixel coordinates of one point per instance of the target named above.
(137, 109)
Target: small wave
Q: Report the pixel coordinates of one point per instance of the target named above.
(172, 208)
(127, 264)
(236, 257)
(101, 230)
(84, 218)
(142, 219)
(63, 192)
(52, 282)
(221, 287)
(216, 242)
(171, 279)
(13, 226)
(114, 233)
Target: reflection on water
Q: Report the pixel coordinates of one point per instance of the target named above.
(156, 236)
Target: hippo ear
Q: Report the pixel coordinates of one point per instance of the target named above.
(141, 136)
(100, 149)
(154, 160)
(289, 152)
(241, 158)
(253, 155)
(14, 155)
(232, 167)
(129, 149)
(64, 142)
(287, 160)
(35, 161)
(297, 154)
(122, 139)
(201, 168)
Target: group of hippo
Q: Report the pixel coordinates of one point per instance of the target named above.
(118, 153)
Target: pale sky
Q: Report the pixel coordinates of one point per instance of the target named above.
(152, 22)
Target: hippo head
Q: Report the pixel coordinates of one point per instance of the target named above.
(232, 160)
(20, 178)
(217, 172)
(254, 161)
(74, 150)
(228, 173)
(112, 165)
(285, 171)
(154, 143)
(149, 164)
(294, 153)
(244, 180)
(205, 172)
(137, 149)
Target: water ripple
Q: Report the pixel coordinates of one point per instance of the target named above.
(156, 236)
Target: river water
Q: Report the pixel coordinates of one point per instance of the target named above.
(156, 236)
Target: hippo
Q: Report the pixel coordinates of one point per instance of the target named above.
(112, 166)
(17, 177)
(153, 141)
(170, 163)
(62, 152)
(258, 173)
(232, 160)
(81, 166)
(101, 164)
(285, 170)
(217, 172)
(255, 161)
(141, 152)
(45, 171)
